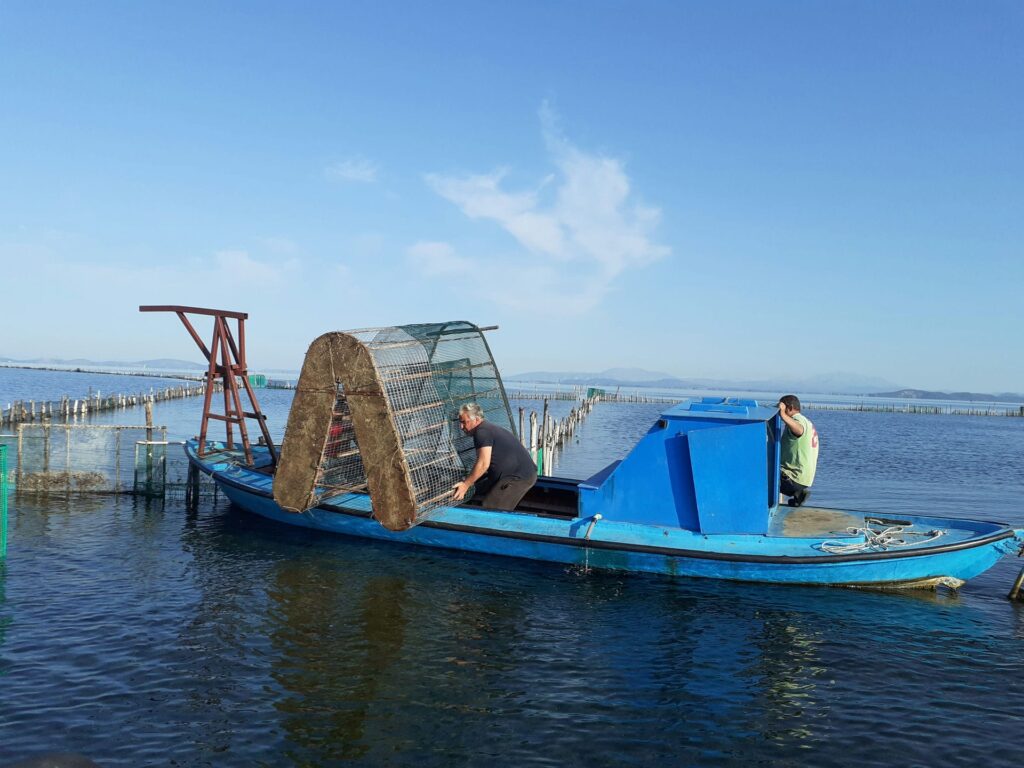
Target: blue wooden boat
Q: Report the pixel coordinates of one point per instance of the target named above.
(697, 496)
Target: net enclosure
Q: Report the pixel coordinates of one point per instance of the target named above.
(376, 411)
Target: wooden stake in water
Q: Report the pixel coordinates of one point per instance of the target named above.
(533, 438)
(1015, 589)
(149, 449)
(3, 501)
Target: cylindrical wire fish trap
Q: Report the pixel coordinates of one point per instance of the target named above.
(376, 411)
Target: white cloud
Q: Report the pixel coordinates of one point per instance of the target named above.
(480, 197)
(239, 266)
(439, 260)
(579, 229)
(357, 169)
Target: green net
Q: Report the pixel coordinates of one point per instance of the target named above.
(150, 477)
(3, 500)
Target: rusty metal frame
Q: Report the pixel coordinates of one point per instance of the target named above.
(227, 362)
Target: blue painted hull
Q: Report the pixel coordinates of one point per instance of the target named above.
(968, 549)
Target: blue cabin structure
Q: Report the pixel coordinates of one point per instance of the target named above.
(709, 465)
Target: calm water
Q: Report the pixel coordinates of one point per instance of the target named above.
(38, 385)
(141, 634)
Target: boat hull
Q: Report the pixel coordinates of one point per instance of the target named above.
(587, 543)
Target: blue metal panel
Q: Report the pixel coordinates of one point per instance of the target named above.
(654, 484)
(651, 485)
(728, 409)
(775, 461)
(729, 478)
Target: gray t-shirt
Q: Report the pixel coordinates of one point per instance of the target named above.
(508, 457)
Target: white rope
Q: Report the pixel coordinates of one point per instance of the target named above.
(882, 540)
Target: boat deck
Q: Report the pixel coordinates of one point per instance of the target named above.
(809, 522)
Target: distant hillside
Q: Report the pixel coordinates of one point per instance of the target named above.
(963, 397)
(162, 364)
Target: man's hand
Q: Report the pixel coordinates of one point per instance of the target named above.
(459, 490)
(788, 417)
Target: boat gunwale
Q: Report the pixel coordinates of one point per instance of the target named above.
(1005, 532)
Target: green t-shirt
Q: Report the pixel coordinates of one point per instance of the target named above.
(800, 454)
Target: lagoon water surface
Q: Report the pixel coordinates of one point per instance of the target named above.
(138, 633)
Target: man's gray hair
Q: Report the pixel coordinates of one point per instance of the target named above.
(472, 410)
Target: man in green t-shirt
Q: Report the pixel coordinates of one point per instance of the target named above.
(799, 452)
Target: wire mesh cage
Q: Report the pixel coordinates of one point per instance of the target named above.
(461, 370)
(393, 425)
(341, 466)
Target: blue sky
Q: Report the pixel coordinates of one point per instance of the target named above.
(742, 190)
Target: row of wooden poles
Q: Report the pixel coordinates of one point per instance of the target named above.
(27, 411)
(577, 394)
(935, 410)
(548, 435)
(947, 410)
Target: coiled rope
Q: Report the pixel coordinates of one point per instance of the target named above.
(893, 537)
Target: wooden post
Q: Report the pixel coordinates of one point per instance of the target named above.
(192, 488)
(1015, 589)
(46, 448)
(533, 437)
(19, 457)
(544, 428)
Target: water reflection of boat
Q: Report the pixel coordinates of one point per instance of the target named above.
(372, 450)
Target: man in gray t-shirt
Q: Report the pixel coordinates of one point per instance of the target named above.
(503, 471)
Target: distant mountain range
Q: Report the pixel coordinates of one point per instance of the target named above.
(838, 383)
(824, 384)
(969, 397)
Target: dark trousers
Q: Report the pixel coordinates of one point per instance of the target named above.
(507, 492)
(797, 493)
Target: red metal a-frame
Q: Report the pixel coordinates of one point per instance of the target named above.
(230, 368)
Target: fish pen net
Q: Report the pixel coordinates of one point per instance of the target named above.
(88, 458)
(393, 421)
